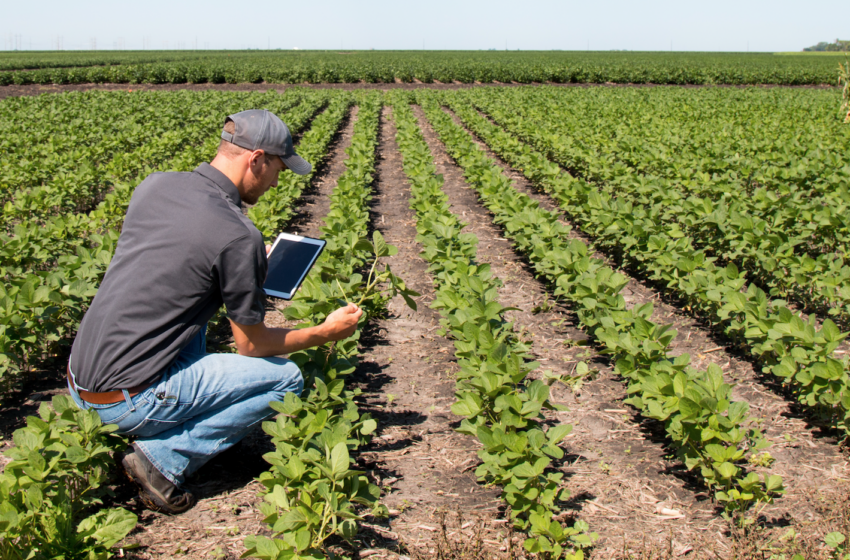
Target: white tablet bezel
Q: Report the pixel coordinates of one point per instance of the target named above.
(298, 239)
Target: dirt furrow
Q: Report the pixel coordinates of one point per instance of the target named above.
(804, 455)
(407, 377)
(617, 471)
(315, 201)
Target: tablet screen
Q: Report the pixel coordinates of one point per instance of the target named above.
(290, 259)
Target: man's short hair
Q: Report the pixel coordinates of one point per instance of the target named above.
(231, 150)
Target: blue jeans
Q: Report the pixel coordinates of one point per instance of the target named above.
(201, 406)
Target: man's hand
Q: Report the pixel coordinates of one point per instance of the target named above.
(343, 322)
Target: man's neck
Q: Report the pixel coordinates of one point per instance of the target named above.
(232, 169)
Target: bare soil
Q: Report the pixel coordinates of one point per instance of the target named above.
(315, 201)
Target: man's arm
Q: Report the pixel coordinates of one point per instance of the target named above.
(261, 341)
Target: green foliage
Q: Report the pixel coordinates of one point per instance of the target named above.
(694, 406)
(49, 491)
(642, 232)
(777, 208)
(297, 67)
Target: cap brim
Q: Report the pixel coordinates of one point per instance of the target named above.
(297, 164)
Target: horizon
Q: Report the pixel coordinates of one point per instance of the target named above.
(352, 51)
(757, 26)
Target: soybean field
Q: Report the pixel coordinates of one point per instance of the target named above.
(599, 322)
(387, 67)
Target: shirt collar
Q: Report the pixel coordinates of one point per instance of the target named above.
(221, 181)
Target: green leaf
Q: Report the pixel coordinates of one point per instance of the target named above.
(727, 469)
(339, 459)
(834, 539)
(716, 452)
(498, 353)
(773, 483)
(76, 454)
(302, 540)
(556, 434)
(381, 249)
(689, 408)
(108, 527)
(369, 426)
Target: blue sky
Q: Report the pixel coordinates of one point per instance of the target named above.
(722, 25)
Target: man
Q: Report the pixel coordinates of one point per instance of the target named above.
(186, 249)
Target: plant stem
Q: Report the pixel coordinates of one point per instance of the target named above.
(342, 291)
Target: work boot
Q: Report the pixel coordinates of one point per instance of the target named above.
(157, 492)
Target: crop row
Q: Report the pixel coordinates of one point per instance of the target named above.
(786, 345)
(311, 491)
(790, 233)
(51, 489)
(467, 67)
(28, 60)
(499, 404)
(773, 138)
(781, 149)
(708, 429)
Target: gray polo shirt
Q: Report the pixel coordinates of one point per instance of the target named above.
(185, 249)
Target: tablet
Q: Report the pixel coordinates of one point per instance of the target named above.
(290, 259)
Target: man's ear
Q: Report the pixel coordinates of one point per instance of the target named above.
(257, 158)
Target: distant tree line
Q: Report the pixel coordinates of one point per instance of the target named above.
(823, 46)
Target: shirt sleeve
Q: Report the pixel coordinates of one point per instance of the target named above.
(241, 269)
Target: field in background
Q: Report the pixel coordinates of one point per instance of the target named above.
(813, 53)
(294, 67)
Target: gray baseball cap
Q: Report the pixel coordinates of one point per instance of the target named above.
(259, 129)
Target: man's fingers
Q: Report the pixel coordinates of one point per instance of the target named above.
(268, 249)
(356, 313)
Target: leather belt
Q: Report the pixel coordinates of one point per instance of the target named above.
(108, 397)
